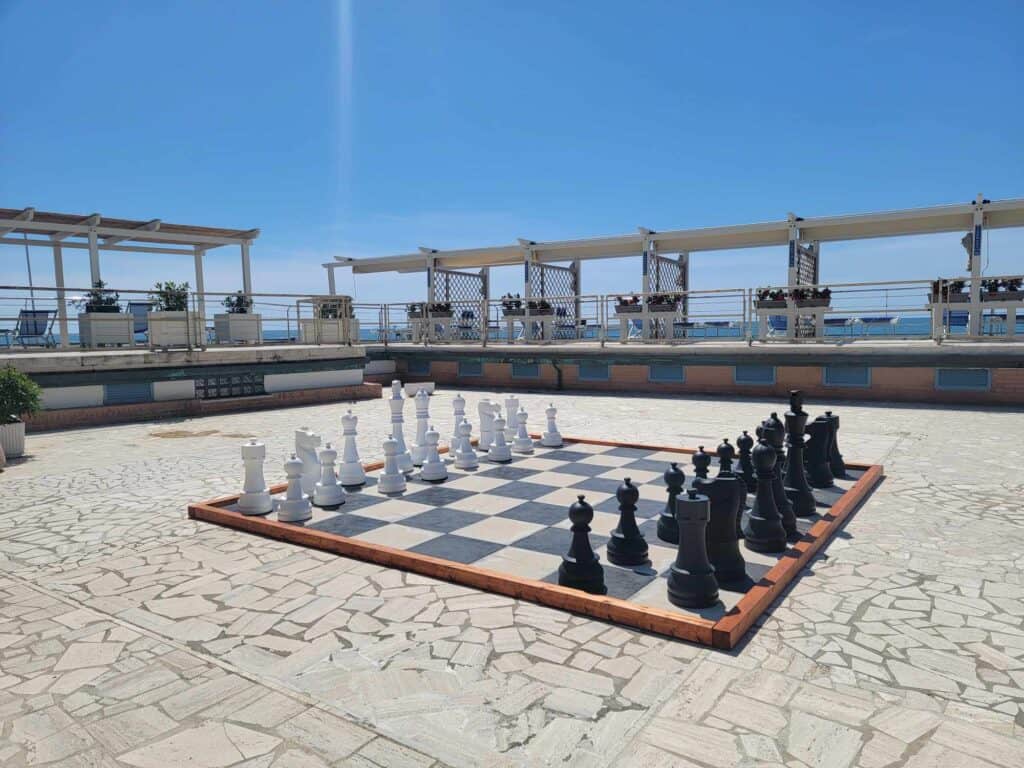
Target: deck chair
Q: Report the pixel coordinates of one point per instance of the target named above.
(466, 327)
(777, 325)
(955, 319)
(35, 326)
(139, 311)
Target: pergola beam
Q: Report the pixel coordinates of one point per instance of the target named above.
(48, 243)
(149, 226)
(81, 229)
(25, 214)
(84, 227)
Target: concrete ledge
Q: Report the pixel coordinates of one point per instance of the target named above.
(106, 415)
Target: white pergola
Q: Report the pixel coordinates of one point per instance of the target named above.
(803, 236)
(95, 233)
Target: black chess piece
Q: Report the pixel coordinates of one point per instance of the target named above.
(725, 493)
(819, 474)
(762, 528)
(675, 478)
(691, 580)
(726, 455)
(627, 545)
(780, 432)
(580, 568)
(745, 444)
(701, 464)
(777, 439)
(797, 488)
(835, 458)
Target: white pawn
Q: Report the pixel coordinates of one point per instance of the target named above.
(486, 411)
(511, 409)
(396, 403)
(306, 443)
(327, 492)
(294, 507)
(551, 438)
(433, 470)
(459, 406)
(255, 498)
(523, 442)
(391, 478)
(419, 446)
(465, 456)
(499, 451)
(351, 472)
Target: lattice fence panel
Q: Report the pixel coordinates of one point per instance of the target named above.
(557, 285)
(464, 291)
(670, 275)
(806, 274)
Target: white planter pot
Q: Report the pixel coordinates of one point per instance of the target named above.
(12, 438)
(231, 327)
(105, 329)
(340, 330)
(171, 329)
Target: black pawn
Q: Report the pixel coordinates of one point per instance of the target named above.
(580, 568)
(701, 463)
(726, 455)
(777, 440)
(835, 458)
(691, 580)
(762, 528)
(627, 545)
(668, 530)
(745, 443)
(819, 473)
(797, 488)
(725, 493)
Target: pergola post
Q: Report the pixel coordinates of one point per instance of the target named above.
(62, 306)
(975, 265)
(247, 269)
(332, 288)
(528, 257)
(200, 287)
(431, 277)
(94, 257)
(647, 249)
(793, 274)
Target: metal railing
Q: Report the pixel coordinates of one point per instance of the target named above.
(947, 309)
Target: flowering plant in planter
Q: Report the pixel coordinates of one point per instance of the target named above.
(99, 299)
(19, 395)
(815, 297)
(664, 299)
(508, 301)
(239, 304)
(771, 294)
(540, 306)
(627, 301)
(951, 291)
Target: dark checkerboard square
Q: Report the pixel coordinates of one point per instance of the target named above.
(345, 524)
(583, 470)
(519, 489)
(625, 582)
(564, 454)
(504, 471)
(653, 466)
(626, 452)
(537, 512)
(458, 549)
(645, 508)
(555, 541)
(443, 520)
(435, 495)
(359, 500)
(599, 484)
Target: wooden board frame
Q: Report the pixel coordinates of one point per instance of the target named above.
(724, 633)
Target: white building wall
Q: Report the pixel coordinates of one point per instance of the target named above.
(174, 390)
(72, 397)
(287, 382)
(374, 367)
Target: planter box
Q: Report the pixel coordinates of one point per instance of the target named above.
(103, 329)
(229, 327)
(172, 329)
(12, 439)
(817, 302)
(770, 303)
(956, 298)
(433, 315)
(662, 307)
(335, 330)
(628, 309)
(513, 311)
(1003, 296)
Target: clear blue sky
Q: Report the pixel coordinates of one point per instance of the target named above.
(373, 127)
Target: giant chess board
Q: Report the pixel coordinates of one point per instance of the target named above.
(504, 528)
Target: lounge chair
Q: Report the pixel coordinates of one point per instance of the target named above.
(35, 326)
(139, 310)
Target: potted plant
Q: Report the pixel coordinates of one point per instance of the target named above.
(171, 324)
(663, 302)
(952, 291)
(540, 307)
(102, 323)
(811, 297)
(770, 298)
(333, 322)
(512, 306)
(239, 323)
(19, 397)
(625, 305)
(1012, 289)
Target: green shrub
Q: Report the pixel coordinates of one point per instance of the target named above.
(19, 395)
(170, 296)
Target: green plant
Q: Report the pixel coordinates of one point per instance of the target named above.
(170, 296)
(101, 300)
(239, 304)
(19, 395)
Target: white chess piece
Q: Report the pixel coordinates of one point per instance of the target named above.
(391, 478)
(294, 507)
(551, 438)
(486, 410)
(499, 451)
(459, 407)
(255, 498)
(306, 443)
(397, 403)
(418, 451)
(465, 456)
(511, 409)
(327, 492)
(523, 442)
(433, 469)
(351, 472)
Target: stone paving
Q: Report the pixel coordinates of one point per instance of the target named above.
(131, 636)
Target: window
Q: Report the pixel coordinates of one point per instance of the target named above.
(672, 372)
(525, 370)
(962, 378)
(233, 385)
(754, 374)
(593, 371)
(469, 368)
(846, 376)
(418, 367)
(126, 392)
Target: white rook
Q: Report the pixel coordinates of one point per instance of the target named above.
(255, 498)
(352, 472)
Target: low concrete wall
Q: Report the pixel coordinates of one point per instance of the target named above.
(174, 390)
(289, 382)
(72, 397)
